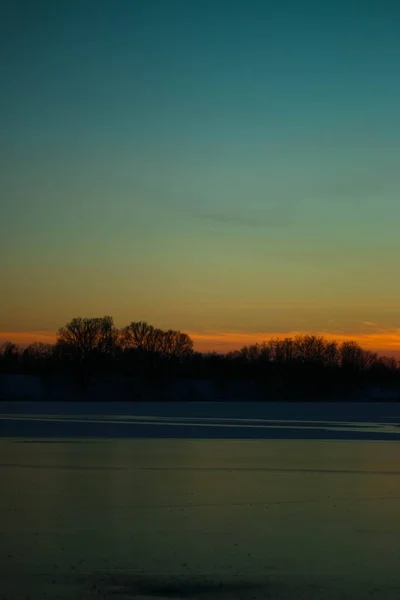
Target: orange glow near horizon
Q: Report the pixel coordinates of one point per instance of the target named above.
(25, 338)
(384, 342)
(387, 342)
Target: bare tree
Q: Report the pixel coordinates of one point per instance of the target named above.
(388, 362)
(351, 355)
(369, 359)
(146, 338)
(85, 336)
(175, 344)
(331, 354)
(8, 349)
(141, 336)
(256, 352)
(249, 353)
(38, 351)
(283, 350)
(310, 348)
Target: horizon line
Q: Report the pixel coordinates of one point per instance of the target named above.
(382, 341)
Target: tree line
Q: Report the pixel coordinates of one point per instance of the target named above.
(88, 347)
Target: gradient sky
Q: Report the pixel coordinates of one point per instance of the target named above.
(230, 169)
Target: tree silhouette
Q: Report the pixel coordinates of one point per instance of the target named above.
(353, 357)
(10, 356)
(310, 348)
(174, 344)
(299, 367)
(147, 339)
(38, 351)
(84, 337)
(141, 336)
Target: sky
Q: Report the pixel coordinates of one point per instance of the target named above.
(229, 169)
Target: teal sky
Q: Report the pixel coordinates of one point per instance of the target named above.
(204, 165)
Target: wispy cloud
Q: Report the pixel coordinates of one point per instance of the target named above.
(270, 217)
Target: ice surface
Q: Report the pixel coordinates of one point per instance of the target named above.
(195, 516)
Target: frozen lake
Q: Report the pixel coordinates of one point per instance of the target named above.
(177, 501)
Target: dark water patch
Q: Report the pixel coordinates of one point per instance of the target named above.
(180, 588)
